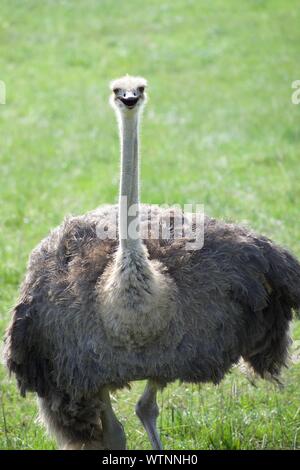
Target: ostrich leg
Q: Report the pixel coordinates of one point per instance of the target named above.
(113, 433)
(147, 410)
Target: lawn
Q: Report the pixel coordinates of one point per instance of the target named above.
(220, 129)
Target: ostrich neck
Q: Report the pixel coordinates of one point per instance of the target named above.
(135, 293)
(129, 186)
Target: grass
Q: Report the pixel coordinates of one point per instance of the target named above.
(220, 129)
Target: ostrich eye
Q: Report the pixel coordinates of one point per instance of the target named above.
(141, 89)
(116, 91)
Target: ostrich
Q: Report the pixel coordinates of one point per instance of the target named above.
(96, 313)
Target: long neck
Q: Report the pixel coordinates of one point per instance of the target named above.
(129, 184)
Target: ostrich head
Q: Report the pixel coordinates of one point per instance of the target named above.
(128, 94)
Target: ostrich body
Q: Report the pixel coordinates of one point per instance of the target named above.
(95, 314)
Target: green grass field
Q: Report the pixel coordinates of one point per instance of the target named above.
(220, 129)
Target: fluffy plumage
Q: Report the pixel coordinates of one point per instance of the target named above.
(231, 299)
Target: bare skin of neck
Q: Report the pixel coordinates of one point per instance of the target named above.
(129, 182)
